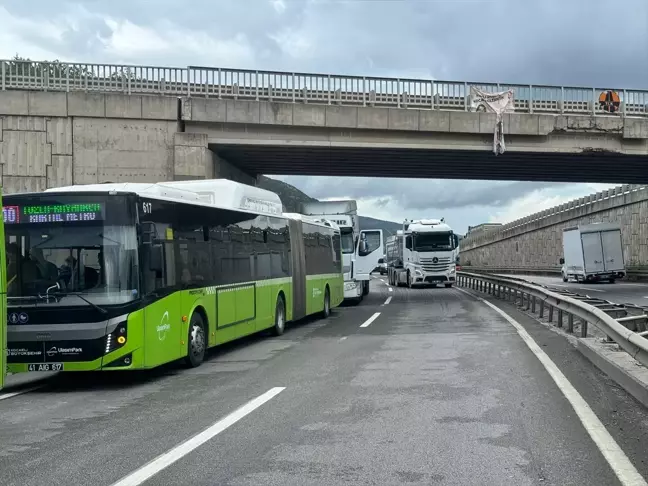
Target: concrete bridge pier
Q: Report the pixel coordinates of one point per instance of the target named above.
(194, 158)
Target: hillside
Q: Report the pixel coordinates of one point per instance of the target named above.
(292, 199)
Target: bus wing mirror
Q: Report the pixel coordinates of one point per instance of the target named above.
(148, 232)
(156, 258)
(562, 261)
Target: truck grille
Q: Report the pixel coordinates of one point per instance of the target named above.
(440, 265)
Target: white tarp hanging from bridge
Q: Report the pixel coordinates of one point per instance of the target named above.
(498, 103)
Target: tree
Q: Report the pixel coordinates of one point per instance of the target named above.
(22, 71)
(25, 67)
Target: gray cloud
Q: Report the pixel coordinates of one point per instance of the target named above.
(576, 42)
(420, 194)
(544, 42)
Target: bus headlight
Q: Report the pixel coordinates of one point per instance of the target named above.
(117, 338)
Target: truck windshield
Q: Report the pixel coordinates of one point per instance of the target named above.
(433, 242)
(346, 240)
(96, 261)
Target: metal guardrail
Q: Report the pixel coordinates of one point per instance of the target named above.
(633, 272)
(621, 329)
(242, 84)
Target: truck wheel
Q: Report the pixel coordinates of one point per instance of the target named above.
(409, 280)
(280, 317)
(448, 285)
(612, 280)
(365, 287)
(196, 344)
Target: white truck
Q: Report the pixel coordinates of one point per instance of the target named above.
(361, 249)
(424, 252)
(592, 253)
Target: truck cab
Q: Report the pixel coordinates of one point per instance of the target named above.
(361, 249)
(424, 252)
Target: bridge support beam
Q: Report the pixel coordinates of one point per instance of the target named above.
(193, 159)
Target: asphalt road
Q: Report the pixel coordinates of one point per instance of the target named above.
(437, 389)
(619, 292)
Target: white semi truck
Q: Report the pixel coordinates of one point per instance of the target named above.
(425, 252)
(361, 249)
(592, 253)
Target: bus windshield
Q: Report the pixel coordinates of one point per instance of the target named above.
(96, 261)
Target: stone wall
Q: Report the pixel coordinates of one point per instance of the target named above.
(535, 242)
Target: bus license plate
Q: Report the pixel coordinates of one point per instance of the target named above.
(45, 367)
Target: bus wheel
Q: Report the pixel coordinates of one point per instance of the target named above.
(280, 317)
(327, 303)
(196, 342)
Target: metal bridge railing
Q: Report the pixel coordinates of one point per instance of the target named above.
(288, 87)
(623, 324)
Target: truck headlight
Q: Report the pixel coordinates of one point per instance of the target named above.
(349, 285)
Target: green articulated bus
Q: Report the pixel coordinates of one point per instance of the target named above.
(133, 275)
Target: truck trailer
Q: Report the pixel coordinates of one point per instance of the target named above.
(425, 252)
(592, 253)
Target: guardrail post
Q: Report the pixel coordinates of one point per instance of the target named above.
(533, 304)
(551, 311)
(541, 314)
(583, 328)
(528, 301)
(560, 318)
(570, 323)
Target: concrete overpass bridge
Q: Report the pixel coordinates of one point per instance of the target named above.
(89, 123)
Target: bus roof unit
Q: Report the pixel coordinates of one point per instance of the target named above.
(312, 220)
(220, 193)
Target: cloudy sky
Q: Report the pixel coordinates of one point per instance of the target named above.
(561, 42)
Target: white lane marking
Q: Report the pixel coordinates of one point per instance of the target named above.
(370, 320)
(557, 285)
(165, 460)
(388, 300)
(390, 289)
(4, 396)
(613, 454)
(589, 288)
(343, 338)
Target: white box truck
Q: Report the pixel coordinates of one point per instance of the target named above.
(361, 249)
(592, 253)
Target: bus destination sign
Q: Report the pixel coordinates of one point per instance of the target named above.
(53, 213)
